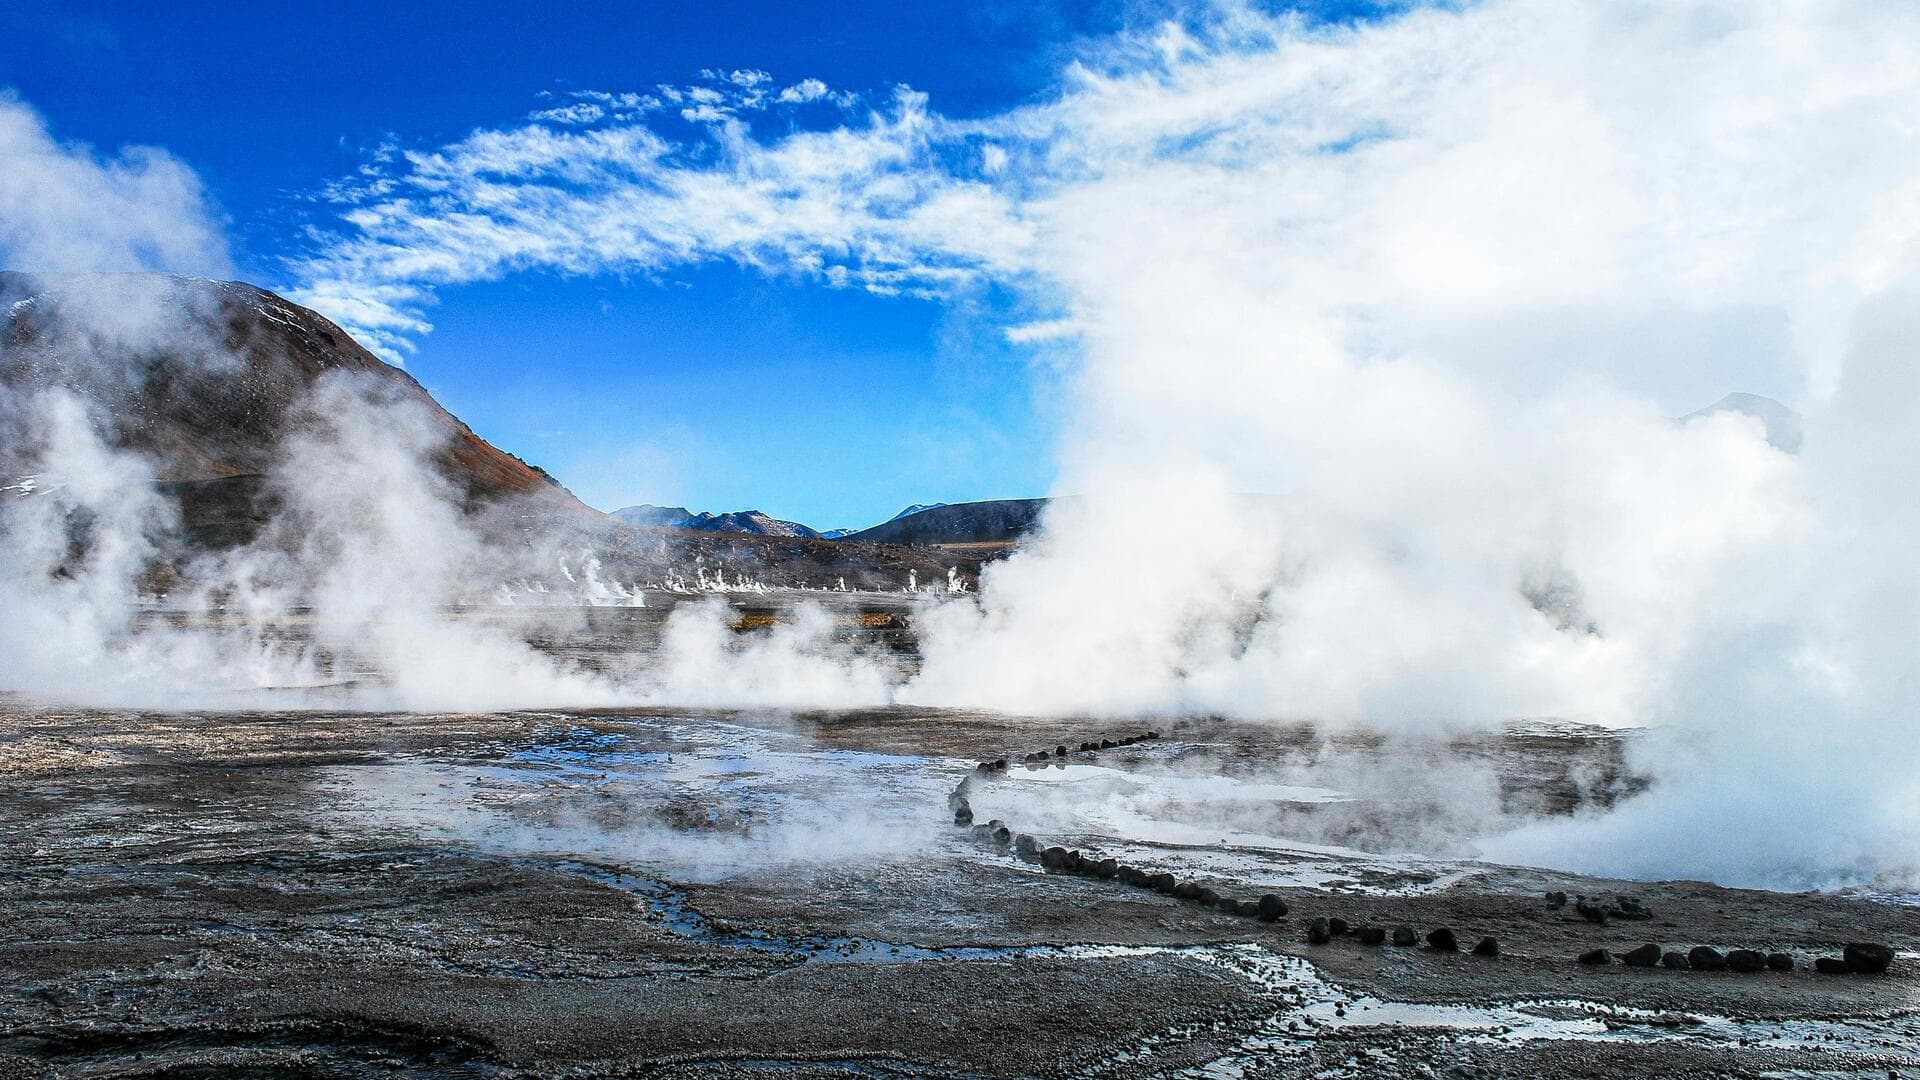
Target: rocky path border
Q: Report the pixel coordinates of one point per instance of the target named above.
(1857, 958)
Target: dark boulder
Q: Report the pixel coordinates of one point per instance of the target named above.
(1443, 940)
(963, 814)
(1487, 947)
(1630, 907)
(1132, 875)
(1830, 965)
(1705, 958)
(1405, 936)
(1371, 935)
(1673, 959)
(1162, 883)
(1593, 913)
(1271, 907)
(1207, 897)
(1867, 958)
(1317, 932)
(1107, 868)
(1153, 734)
(1338, 926)
(1556, 899)
(1596, 957)
(1060, 751)
(1746, 961)
(1779, 962)
(1106, 744)
(1644, 956)
(1186, 890)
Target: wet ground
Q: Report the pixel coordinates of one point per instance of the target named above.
(615, 893)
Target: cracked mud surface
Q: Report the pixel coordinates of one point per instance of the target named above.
(696, 894)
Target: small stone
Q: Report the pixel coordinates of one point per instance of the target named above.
(1644, 956)
(1271, 907)
(1596, 957)
(1673, 959)
(1746, 961)
(1443, 940)
(1337, 926)
(1371, 935)
(1317, 932)
(1830, 965)
(1556, 899)
(1487, 947)
(1779, 962)
(1405, 937)
(1867, 958)
(1705, 958)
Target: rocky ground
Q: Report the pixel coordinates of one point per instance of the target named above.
(539, 894)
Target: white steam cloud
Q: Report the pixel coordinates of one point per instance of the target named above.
(63, 207)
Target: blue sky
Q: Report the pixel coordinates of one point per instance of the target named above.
(701, 383)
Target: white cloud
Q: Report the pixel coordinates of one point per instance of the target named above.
(804, 91)
(862, 207)
(580, 112)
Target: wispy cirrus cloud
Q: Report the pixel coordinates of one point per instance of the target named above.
(636, 183)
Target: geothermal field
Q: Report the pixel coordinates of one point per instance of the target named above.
(1212, 539)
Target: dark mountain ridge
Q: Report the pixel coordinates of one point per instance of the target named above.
(994, 521)
(205, 378)
(752, 522)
